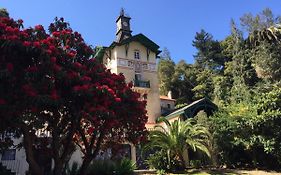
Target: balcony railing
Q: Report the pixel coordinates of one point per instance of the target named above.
(140, 83)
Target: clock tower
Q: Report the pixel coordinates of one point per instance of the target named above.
(123, 27)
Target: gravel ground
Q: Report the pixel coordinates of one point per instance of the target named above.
(258, 172)
(217, 172)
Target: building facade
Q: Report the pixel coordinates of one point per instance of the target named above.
(135, 57)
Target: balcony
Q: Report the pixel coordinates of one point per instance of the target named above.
(141, 84)
(142, 87)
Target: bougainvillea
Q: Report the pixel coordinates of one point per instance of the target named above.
(49, 80)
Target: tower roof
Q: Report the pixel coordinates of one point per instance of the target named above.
(141, 39)
(122, 14)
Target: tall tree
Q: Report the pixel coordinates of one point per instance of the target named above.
(261, 21)
(267, 60)
(183, 80)
(50, 81)
(166, 70)
(209, 53)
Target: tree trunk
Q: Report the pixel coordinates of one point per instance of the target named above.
(85, 165)
(58, 169)
(185, 157)
(27, 143)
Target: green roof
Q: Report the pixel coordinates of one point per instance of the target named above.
(99, 52)
(192, 109)
(141, 39)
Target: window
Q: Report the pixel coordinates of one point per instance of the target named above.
(144, 96)
(137, 54)
(9, 154)
(169, 106)
(137, 77)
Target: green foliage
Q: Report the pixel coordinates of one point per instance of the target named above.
(105, 167)
(73, 170)
(109, 167)
(183, 81)
(125, 167)
(205, 85)
(242, 76)
(173, 140)
(261, 21)
(158, 160)
(249, 133)
(267, 59)
(166, 70)
(4, 12)
(210, 53)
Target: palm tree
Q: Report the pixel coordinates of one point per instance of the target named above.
(177, 138)
(271, 34)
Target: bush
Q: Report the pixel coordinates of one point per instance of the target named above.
(97, 167)
(109, 167)
(125, 167)
(73, 170)
(159, 161)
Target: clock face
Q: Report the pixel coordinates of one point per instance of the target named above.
(125, 24)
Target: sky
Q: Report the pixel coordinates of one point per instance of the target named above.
(169, 23)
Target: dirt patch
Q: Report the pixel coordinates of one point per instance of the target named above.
(258, 172)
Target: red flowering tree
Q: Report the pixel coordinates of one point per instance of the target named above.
(49, 80)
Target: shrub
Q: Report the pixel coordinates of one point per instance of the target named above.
(109, 167)
(73, 170)
(125, 167)
(97, 167)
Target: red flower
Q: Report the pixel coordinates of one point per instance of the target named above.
(29, 90)
(48, 51)
(57, 68)
(77, 65)
(13, 37)
(56, 34)
(2, 101)
(118, 99)
(45, 41)
(72, 75)
(10, 67)
(39, 27)
(32, 69)
(130, 84)
(90, 130)
(34, 109)
(84, 87)
(54, 95)
(86, 78)
(27, 43)
(53, 59)
(36, 44)
(9, 29)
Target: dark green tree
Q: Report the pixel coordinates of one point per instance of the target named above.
(209, 53)
(183, 81)
(4, 12)
(166, 70)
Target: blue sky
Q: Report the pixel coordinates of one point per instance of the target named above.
(169, 23)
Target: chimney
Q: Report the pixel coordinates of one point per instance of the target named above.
(170, 95)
